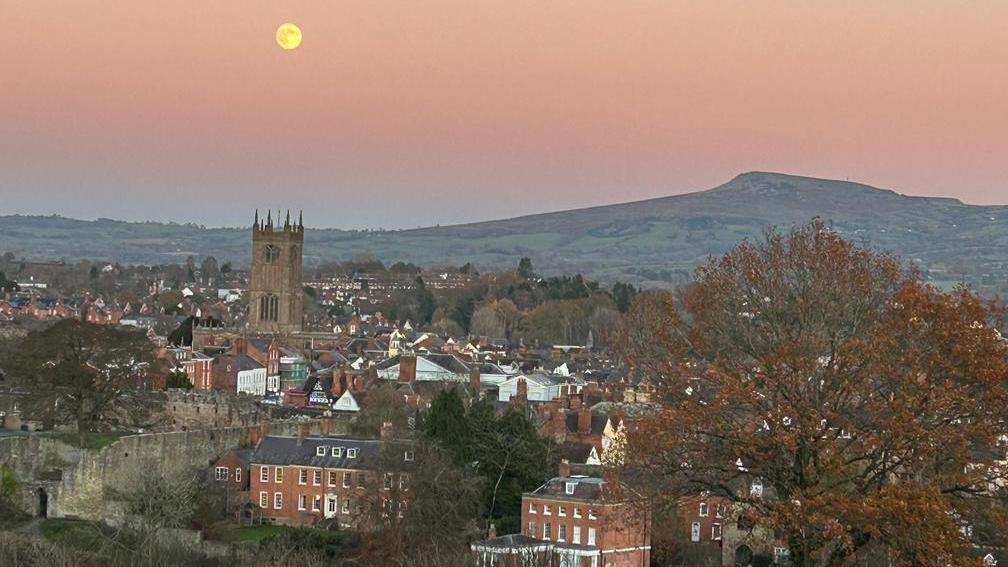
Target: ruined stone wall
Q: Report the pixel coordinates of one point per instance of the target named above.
(187, 410)
(79, 482)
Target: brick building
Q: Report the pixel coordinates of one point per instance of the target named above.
(306, 479)
(579, 522)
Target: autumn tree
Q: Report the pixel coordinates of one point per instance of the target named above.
(838, 401)
(85, 375)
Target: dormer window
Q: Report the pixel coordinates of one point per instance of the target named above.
(351, 453)
(337, 451)
(320, 451)
(408, 456)
(569, 487)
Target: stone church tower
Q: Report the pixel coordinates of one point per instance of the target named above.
(276, 300)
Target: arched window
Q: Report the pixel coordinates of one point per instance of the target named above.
(271, 253)
(269, 307)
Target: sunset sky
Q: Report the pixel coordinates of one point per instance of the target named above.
(409, 113)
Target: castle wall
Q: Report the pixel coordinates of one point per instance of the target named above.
(79, 482)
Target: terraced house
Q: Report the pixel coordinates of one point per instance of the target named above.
(307, 480)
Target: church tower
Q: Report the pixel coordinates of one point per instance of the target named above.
(276, 300)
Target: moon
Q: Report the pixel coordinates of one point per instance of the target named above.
(288, 36)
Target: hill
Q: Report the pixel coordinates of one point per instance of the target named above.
(652, 242)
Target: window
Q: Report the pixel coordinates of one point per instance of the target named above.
(263, 499)
(268, 308)
(303, 477)
(316, 503)
(576, 539)
(351, 453)
(278, 474)
(360, 480)
(531, 529)
(569, 487)
(591, 514)
(264, 474)
(346, 479)
(221, 473)
(332, 478)
(756, 490)
(408, 456)
(277, 500)
(716, 532)
(695, 532)
(317, 478)
(562, 511)
(547, 531)
(721, 509)
(703, 509)
(346, 506)
(337, 451)
(591, 536)
(320, 451)
(561, 532)
(271, 253)
(331, 504)
(302, 502)
(238, 475)
(577, 512)
(388, 481)
(532, 508)
(546, 510)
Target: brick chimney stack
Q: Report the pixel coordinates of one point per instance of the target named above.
(565, 468)
(474, 378)
(327, 423)
(302, 432)
(407, 367)
(584, 420)
(522, 395)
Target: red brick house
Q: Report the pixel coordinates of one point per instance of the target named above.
(578, 521)
(306, 479)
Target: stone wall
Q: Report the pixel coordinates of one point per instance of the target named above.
(78, 482)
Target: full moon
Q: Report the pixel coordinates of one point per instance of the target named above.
(288, 36)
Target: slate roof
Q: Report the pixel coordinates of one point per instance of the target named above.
(588, 488)
(246, 362)
(280, 450)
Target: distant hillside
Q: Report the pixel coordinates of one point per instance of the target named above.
(651, 242)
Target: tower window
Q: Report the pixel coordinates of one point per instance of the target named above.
(269, 307)
(271, 253)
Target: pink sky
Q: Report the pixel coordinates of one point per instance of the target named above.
(401, 114)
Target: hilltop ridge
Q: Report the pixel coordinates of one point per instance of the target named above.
(651, 242)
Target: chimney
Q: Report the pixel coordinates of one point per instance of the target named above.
(255, 434)
(327, 423)
(575, 401)
(386, 430)
(358, 383)
(302, 432)
(584, 420)
(407, 368)
(522, 395)
(559, 426)
(565, 468)
(474, 378)
(492, 532)
(264, 425)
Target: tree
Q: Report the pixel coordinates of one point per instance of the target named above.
(525, 271)
(178, 379)
(865, 407)
(85, 375)
(209, 269)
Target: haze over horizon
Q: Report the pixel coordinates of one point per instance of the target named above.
(399, 115)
